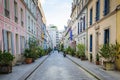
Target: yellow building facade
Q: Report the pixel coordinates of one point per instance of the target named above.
(101, 25)
(118, 32)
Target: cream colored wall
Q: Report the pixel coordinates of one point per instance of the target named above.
(91, 31)
(111, 24)
(92, 4)
(108, 22)
(118, 33)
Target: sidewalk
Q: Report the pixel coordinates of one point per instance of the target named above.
(22, 71)
(96, 70)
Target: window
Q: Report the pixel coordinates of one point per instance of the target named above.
(70, 34)
(6, 8)
(84, 23)
(81, 27)
(91, 43)
(32, 26)
(106, 36)
(21, 17)
(91, 14)
(106, 7)
(29, 23)
(15, 11)
(78, 28)
(97, 10)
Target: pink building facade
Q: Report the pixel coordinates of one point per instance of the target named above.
(20, 20)
(12, 27)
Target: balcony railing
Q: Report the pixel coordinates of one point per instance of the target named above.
(7, 13)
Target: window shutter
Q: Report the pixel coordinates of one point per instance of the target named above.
(90, 43)
(91, 16)
(5, 46)
(108, 36)
(106, 6)
(97, 10)
(12, 42)
(84, 23)
(20, 44)
(78, 28)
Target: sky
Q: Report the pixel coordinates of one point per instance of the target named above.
(57, 12)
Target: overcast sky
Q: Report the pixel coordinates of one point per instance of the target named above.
(57, 12)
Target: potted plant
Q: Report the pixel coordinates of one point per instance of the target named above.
(116, 51)
(72, 52)
(97, 59)
(28, 56)
(81, 50)
(6, 59)
(107, 52)
(91, 57)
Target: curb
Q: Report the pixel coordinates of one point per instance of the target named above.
(91, 73)
(28, 73)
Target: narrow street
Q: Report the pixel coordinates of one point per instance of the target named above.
(56, 67)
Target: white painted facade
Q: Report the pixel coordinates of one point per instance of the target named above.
(54, 35)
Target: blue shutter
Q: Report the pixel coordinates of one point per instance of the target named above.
(70, 34)
(84, 23)
(97, 10)
(78, 28)
(90, 43)
(5, 46)
(12, 42)
(81, 27)
(106, 36)
(91, 16)
(106, 7)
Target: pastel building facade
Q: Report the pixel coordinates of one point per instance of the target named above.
(12, 27)
(118, 32)
(53, 32)
(73, 25)
(82, 23)
(101, 26)
(31, 10)
(20, 20)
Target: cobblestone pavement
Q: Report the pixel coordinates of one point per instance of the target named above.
(96, 69)
(56, 67)
(20, 72)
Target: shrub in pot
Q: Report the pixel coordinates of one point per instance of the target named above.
(97, 59)
(6, 59)
(109, 52)
(117, 55)
(78, 54)
(39, 51)
(91, 57)
(72, 51)
(81, 50)
(28, 55)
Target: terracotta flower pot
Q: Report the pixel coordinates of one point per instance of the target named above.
(97, 63)
(28, 60)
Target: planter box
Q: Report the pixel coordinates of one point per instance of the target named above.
(82, 58)
(5, 69)
(97, 62)
(28, 60)
(108, 66)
